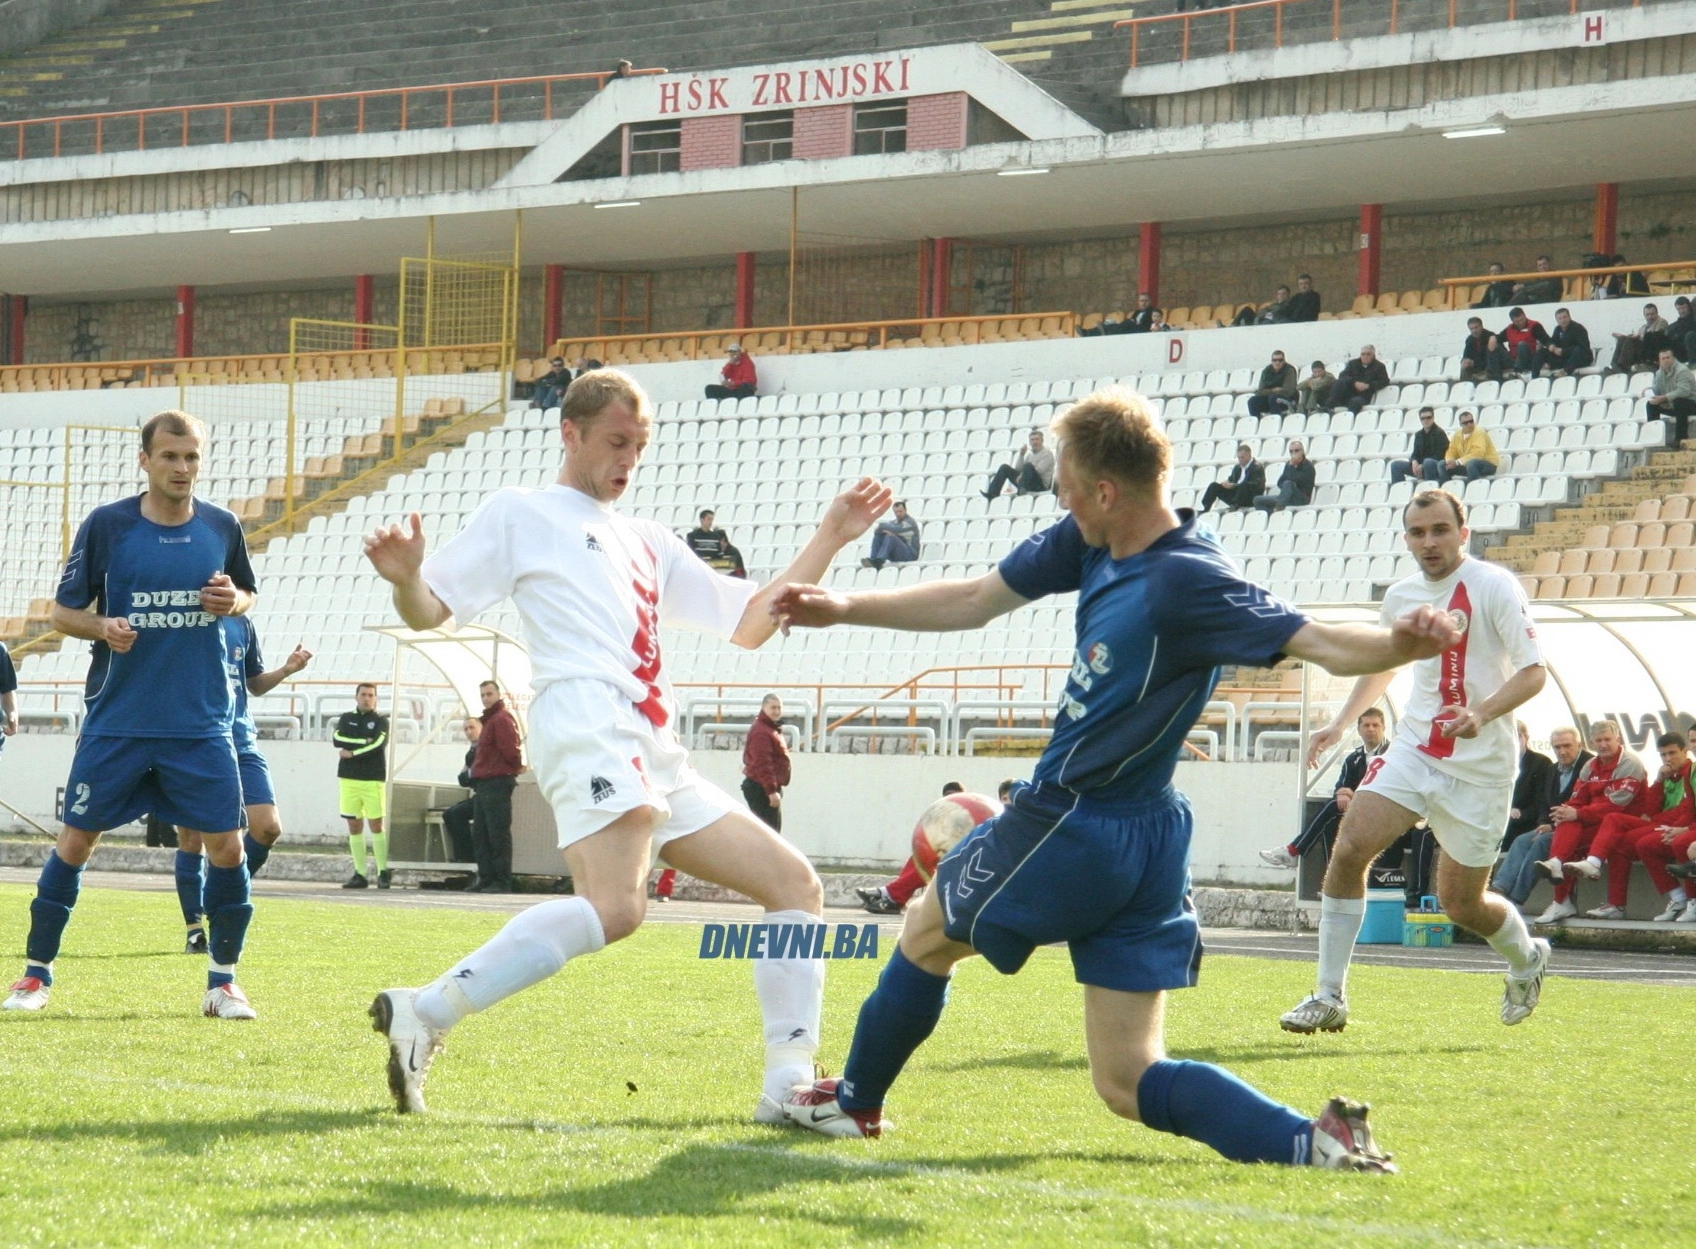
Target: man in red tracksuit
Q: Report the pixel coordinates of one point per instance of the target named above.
(1611, 783)
(737, 379)
(1669, 812)
(765, 764)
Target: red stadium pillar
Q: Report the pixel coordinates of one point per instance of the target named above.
(1607, 218)
(1148, 260)
(553, 315)
(17, 311)
(185, 321)
(744, 290)
(1371, 247)
(941, 272)
(363, 304)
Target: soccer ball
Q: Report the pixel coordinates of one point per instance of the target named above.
(944, 825)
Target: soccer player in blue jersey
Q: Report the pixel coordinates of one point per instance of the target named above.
(1160, 608)
(246, 666)
(148, 581)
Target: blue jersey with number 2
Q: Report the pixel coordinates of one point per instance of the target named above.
(1152, 632)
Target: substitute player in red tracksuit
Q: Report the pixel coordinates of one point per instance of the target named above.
(1668, 807)
(1659, 849)
(1611, 783)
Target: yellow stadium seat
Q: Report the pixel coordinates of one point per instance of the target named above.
(1652, 534)
(1680, 533)
(1599, 562)
(1436, 299)
(1547, 564)
(1529, 585)
(1633, 561)
(1687, 585)
(1596, 537)
(1623, 535)
(1663, 585)
(1605, 586)
(1362, 306)
(1676, 507)
(1634, 585)
(1579, 586)
(1412, 301)
(1648, 509)
(1572, 563)
(1551, 587)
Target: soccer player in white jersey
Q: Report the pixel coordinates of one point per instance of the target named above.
(593, 587)
(1453, 763)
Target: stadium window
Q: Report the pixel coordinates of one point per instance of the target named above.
(656, 147)
(767, 137)
(880, 127)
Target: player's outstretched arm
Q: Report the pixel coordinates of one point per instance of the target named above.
(934, 607)
(849, 515)
(1349, 650)
(397, 553)
(1367, 691)
(265, 682)
(73, 622)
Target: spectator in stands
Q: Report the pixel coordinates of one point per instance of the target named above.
(712, 544)
(588, 364)
(894, 541)
(1472, 453)
(1295, 482)
(1665, 813)
(1613, 781)
(1531, 789)
(8, 696)
(1672, 397)
(1568, 348)
(1245, 483)
(1682, 330)
(1636, 351)
(552, 385)
(1322, 829)
(457, 818)
(1522, 339)
(1304, 304)
(1272, 314)
(1430, 446)
(1362, 378)
(1539, 290)
(1278, 389)
(1496, 294)
(737, 379)
(1517, 875)
(1146, 317)
(1314, 390)
(1603, 285)
(1031, 472)
(494, 775)
(1636, 282)
(1482, 354)
(765, 764)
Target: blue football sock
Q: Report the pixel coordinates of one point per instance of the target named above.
(55, 896)
(894, 1021)
(228, 913)
(1210, 1105)
(257, 853)
(191, 879)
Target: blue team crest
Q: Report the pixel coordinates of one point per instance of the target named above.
(1100, 659)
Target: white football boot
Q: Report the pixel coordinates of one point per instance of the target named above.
(227, 1001)
(815, 1106)
(1318, 1012)
(30, 993)
(413, 1046)
(1520, 993)
(1342, 1140)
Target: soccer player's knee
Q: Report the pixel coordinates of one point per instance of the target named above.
(75, 845)
(620, 915)
(1118, 1089)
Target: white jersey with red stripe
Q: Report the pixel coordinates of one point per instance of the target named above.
(591, 586)
(1498, 638)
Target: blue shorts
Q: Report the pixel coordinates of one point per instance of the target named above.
(256, 788)
(190, 782)
(1110, 879)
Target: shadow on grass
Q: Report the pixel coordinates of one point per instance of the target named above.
(697, 1182)
(1249, 1054)
(1030, 1060)
(194, 1137)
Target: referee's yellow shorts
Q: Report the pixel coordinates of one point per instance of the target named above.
(362, 800)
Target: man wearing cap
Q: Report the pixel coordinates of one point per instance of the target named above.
(737, 378)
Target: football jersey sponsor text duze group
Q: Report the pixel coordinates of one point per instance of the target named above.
(175, 617)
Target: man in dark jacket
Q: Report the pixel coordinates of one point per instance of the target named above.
(1276, 393)
(1539, 290)
(1429, 443)
(1533, 790)
(1304, 304)
(1361, 378)
(765, 763)
(551, 387)
(1568, 348)
(494, 775)
(1482, 355)
(712, 544)
(1517, 874)
(457, 818)
(1681, 330)
(1496, 294)
(1295, 482)
(1374, 741)
(1245, 483)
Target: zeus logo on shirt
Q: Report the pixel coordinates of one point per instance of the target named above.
(168, 619)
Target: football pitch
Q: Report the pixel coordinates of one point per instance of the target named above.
(609, 1106)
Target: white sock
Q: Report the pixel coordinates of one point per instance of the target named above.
(533, 946)
(1593, 860)
(1339, 924)
(1678, 894)
(791, 993)
(1513, 942)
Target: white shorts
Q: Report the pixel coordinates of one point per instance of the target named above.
(1467, 819)
(597, 757)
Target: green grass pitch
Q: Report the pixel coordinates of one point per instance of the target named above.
(609, 1106)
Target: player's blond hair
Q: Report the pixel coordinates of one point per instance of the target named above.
(170, 421)
(596, 391)
(1115, 433)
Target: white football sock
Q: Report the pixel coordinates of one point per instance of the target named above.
(791, 993)
(1592, 859)
(1678, 894)
(1513, 942)
(533, 946)
(1339, 924)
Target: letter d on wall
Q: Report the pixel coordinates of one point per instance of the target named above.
(1174, 350)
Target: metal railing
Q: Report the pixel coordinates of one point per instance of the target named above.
(429, 107)
(1254, 17)
(270, 367)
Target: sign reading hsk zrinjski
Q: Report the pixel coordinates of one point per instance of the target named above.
(808, 84)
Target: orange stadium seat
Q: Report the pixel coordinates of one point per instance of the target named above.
(1634, 585)
(1551, 587)
(1579, 586)
(1547, 563)
(1663, 585)
(1605, 586)
(1634, 560)
(1599, 562)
